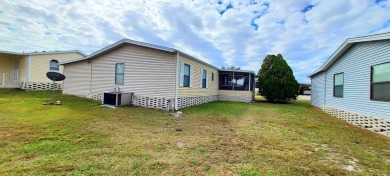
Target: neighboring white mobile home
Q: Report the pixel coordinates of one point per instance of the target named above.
(354, 83)
(159, 77)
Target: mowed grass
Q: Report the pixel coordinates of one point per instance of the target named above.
(220, 138)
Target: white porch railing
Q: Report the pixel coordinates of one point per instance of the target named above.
(10, 76)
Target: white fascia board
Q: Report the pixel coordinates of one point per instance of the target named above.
(345, 46)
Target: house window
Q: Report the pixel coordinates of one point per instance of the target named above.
(119, 73)
(338, 85)
(380, 82)
(186, 75)
(212, 76)
(54, 65)
(204, 79)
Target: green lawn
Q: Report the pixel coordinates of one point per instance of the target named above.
(221, 138)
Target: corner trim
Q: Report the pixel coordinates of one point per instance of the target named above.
(176, 80)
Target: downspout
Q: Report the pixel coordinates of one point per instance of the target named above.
(90, 77)
(176, 80)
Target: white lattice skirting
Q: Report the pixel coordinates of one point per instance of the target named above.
(168, 103)
(153, 102)
(149, 102)
(40, 86)
(192, 101)
(246, 99)
(94, 96)
(377, 125)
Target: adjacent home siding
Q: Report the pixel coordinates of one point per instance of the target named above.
(40, 65)
(23, 64)
(78, 78)
(356, 66)
(196, 90)
(318, 90)
(6, 64)
(148, 72)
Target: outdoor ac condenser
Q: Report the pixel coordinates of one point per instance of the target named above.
(117, 98)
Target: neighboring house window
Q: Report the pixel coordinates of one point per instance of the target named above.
(212, 76)
(338, 85)
(187, 74)
(380, 82)
(119, 73)
(54, 65)
(204, 79)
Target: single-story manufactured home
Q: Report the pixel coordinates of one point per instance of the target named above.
(157, 76)
(354, 83)
(28, 70)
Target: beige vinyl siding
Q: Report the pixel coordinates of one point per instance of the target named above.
(196, 90)
(234, 93)
(148, 72)
(6, 64)
(78, 78)
(40, 64)
(23, 64)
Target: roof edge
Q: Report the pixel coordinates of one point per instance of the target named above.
(241, 71)
(153, 46)
(43, 53)
(348, 43)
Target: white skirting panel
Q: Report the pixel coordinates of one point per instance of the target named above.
(377, 125)
(245, 99)
(191, 101)
(168, 103)
(40, 86)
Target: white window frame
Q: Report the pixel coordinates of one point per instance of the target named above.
(182, 74)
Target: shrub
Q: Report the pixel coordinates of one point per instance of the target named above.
(276, 80)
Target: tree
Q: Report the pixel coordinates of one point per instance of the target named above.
(276, 80)
(232, 67)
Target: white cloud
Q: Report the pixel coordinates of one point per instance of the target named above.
(305, 39)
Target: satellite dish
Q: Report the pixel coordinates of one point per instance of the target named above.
(54, 76)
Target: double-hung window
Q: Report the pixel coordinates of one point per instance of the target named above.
(119, 73)
(186, 75)
(380, 82)
(204, 78)
(338, 85)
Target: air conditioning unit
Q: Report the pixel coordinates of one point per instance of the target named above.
(117, 98)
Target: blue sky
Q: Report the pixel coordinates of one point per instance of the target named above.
(221, 32)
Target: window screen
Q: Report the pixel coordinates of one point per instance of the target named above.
(204, 78)
(187, 71)
(338, 86)
(380, 82)
(119, 73)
